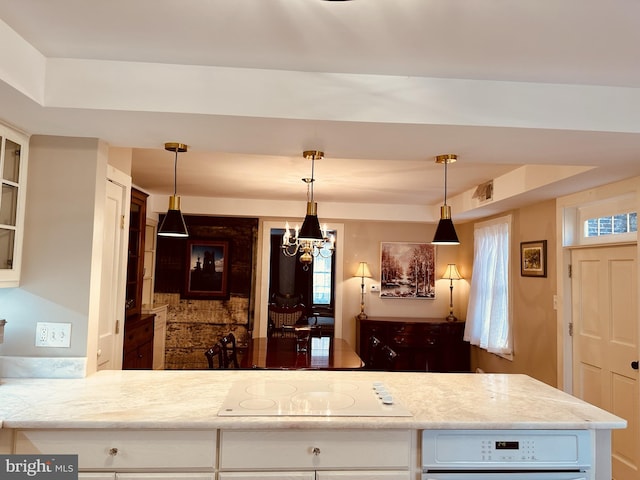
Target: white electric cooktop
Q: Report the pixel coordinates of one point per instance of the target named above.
(312, 398)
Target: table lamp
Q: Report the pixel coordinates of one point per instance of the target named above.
(451, 273)
(362, 272)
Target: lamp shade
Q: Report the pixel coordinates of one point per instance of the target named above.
(173, 224)
(311, 226)
(452, 273)
(445, 233)
(363, 270)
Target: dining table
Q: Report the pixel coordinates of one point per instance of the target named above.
(283, 352)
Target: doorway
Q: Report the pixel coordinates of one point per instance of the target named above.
(291, 282)
(260, 328)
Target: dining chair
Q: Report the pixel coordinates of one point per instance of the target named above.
(381, 356)
(215, 356)
(282, 319)
(229, 351)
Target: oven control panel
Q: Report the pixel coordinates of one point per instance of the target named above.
(465, 449)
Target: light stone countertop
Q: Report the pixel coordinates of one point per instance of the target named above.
(191, 400)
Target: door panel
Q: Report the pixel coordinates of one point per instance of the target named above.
(111, 308)
(605, 342)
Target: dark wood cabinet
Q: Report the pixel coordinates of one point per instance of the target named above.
(135, 261)
(137, 349)
(138, 342)
(422, 344)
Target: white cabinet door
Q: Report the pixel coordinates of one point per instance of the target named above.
(364, 475)
(145, 476)
(13, 183)
(261, 475)
(166, 476)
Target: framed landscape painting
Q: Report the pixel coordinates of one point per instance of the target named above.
(533, 259)
(407, 270)
(208, 269)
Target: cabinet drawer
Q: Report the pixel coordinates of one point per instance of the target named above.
(125, 449)
(314, 449)
(364, 475)
(263, 475)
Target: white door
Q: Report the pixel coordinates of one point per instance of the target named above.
(111, 324)
(605, 343)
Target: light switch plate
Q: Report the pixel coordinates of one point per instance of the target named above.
(53, 334)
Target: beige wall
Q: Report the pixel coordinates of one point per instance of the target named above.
(362, 243)
(534, 318)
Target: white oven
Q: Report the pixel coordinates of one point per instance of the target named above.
(506, 455)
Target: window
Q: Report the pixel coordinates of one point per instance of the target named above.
(489, 314)
(322, 276)
(605, 221)
(611, 225)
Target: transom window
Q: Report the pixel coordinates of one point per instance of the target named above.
(611, 225)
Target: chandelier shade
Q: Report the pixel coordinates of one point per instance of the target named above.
(311, 226)
(173, 224)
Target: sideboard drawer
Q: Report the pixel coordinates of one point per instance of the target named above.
(125, 449)
(314, 449)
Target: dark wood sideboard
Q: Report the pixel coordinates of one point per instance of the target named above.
(422, 344)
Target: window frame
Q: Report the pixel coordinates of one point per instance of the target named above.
(618, 205)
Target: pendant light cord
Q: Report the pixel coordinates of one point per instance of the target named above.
(313, 162)
(446, 162)
(175, 174)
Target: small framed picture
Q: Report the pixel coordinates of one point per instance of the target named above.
(533, 259)
(208, 269)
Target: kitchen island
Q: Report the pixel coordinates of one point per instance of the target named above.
(137, 423)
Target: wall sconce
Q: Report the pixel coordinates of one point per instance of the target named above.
(445, 233)
(362, 272)
(173, 224)
(451, 274)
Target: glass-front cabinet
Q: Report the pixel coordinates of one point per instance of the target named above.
(13, 167)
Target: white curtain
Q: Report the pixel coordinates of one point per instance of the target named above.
(488, 312)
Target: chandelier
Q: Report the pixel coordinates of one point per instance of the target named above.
(310, 240)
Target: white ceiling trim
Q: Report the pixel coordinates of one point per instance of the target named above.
(152, 87)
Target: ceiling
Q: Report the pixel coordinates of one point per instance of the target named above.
(380, 86)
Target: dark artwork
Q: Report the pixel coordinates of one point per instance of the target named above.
(208, 266)
(172, 262)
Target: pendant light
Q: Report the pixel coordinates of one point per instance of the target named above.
(310, 240)
(173, 224)
(445, 233)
